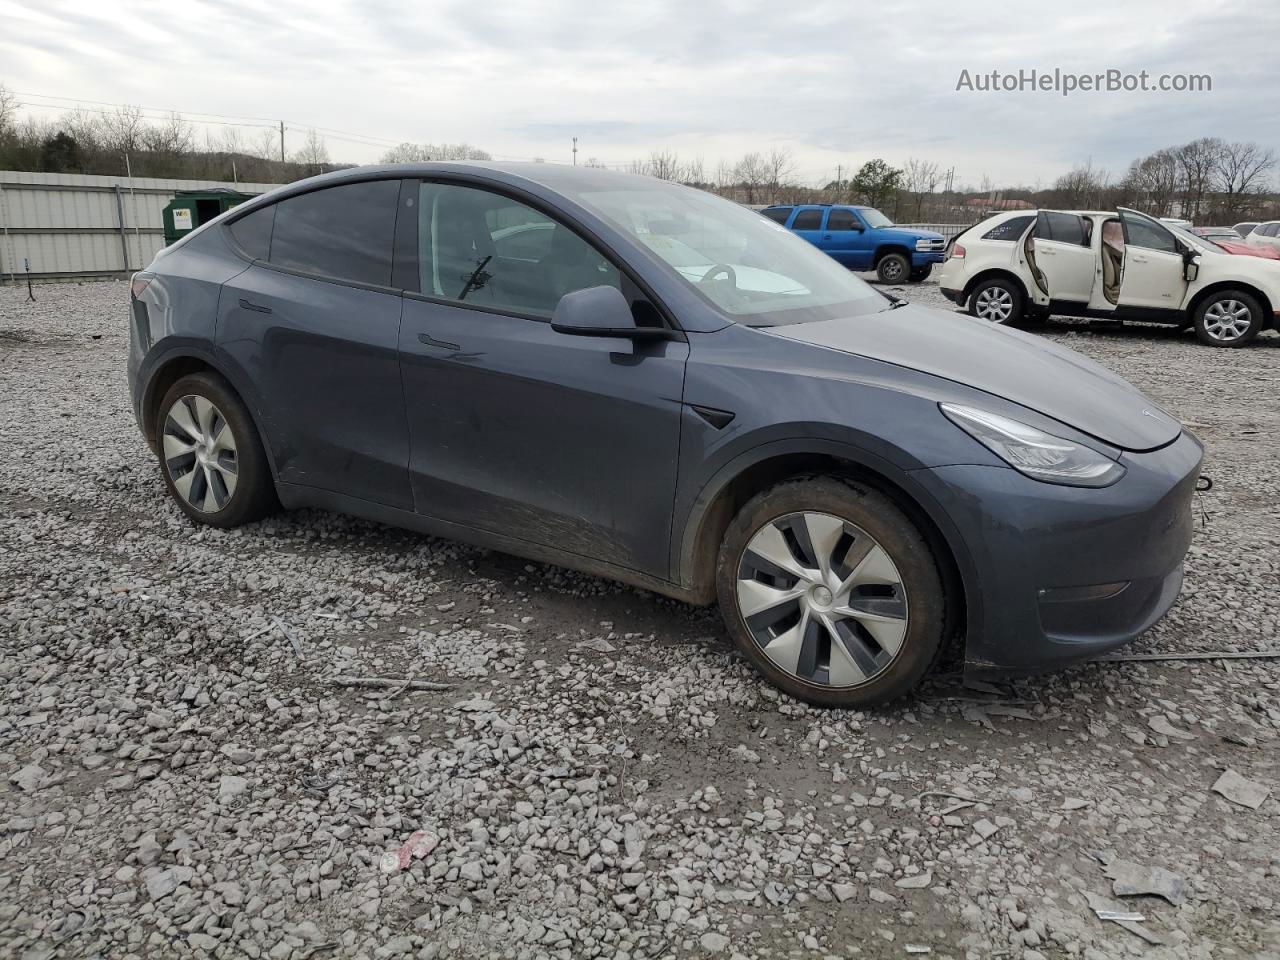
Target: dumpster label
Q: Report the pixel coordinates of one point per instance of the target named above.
(182, 219)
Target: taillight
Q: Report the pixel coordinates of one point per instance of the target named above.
(957, 252)
(138, 284)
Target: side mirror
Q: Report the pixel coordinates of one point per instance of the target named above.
(1190, 266)
(602, 312)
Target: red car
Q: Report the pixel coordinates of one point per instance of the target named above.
(1232, 242)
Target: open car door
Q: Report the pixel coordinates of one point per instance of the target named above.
(1153, 267)
(1064, 255)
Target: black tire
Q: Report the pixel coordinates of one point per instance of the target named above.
(254, 495)
(923, 599)
(1203, 318)
(1002, 291)
(920, 274)
(893, 268)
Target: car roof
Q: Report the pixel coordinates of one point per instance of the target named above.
(843, 206)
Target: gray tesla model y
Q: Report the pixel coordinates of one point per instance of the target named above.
(651, 383)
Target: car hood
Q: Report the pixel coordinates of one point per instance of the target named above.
(1019, 367)
(904, 233)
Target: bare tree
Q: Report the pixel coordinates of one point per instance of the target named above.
(1242, 172)
(1198, 160)
(920, 178)
(1153, 181)
(314, 154)
(781, 166)
(122, 129)
(418, 152)
(665, 165)
(1082, 187)
(752, 173)
(8, 110)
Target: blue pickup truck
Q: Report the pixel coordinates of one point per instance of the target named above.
(863, 238)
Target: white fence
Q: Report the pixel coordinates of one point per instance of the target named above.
(76, 226)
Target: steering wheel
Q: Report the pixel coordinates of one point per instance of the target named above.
(718, 269)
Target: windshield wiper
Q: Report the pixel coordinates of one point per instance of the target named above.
(474, 282)
(899, 303)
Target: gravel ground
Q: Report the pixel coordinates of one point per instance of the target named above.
(181, 775)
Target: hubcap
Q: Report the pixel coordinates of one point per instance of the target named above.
(200, 453)
(892, 270)
(994, 304)
(1227, 320)
(823, 599)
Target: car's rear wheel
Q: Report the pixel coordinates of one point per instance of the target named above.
(893, 268)
(210, 453)
(921, 273)
(1228, 318)
(831, 592)
(998, 301)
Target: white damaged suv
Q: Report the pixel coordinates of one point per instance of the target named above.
(1120, 265)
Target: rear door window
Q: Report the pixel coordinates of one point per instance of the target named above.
(343, 233)
(1064, 228)
(808, 220)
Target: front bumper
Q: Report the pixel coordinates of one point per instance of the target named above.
(1057, 574)
(923, 258)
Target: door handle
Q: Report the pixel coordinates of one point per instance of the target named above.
(826, 236)
(253, 306)
(430, 341)
(1140, 260)
(1046, 252)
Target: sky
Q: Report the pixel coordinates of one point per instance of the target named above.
(835, 83)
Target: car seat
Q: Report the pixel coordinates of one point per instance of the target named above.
(1112, 259)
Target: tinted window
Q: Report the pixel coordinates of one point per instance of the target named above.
(777, 214)
(1065, 228)
(1011, 229)
(1270, 230)
(489, 250)
(342, 232)
(253, 232)
(1144, 233)
(842, 220)
(807, 220)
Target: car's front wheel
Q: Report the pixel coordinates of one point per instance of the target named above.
(997, 300)
(831, 592)
(210, 454)
(893, 268)
(1228, 318)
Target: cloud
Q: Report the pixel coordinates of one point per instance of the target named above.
(837, 82)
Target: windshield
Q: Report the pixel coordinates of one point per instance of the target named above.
(875, 219)
(745, 265)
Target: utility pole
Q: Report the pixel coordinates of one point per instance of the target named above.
(282, 141)
(839, 172)
(575, 151)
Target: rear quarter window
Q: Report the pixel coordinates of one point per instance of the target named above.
(1010, 229)
(253, 232)
(778, 214)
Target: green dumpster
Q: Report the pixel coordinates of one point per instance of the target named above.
(190, 208)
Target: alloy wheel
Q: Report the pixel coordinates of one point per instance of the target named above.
(994, 304)
(1227, 320)
(892, 271)
(200, 453)
(823, 599)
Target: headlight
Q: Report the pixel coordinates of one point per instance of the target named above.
(924, 244)
(1039, 455)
